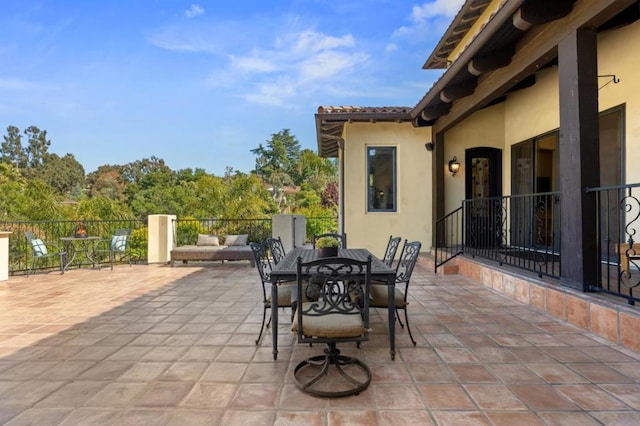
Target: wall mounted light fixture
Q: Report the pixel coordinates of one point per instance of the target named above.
(454, 166)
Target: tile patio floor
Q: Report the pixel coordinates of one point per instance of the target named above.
(160, 345)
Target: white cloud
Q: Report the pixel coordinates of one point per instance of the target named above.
(253, 64)
(326, 65)
(194, 11)
(442, 8)
(297, 63)
(310, 41)
(429, 18)
(268, 62)
(176, 40)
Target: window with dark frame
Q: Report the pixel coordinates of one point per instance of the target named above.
(381, 179)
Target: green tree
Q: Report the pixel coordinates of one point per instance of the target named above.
(107, 181)
(37, 148)
(64, 174)
(246, 198)
(12, 151)
(13, 202)
(277, 162)
(43, 203)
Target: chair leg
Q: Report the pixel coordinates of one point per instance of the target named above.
(406, 319)
(33, 267)
(398, 319)
(312, 370)
(264, 316)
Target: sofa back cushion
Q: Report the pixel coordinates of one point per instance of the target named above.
(208, 240)
(236, 240)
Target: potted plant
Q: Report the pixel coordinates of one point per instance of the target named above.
(80, 230)
(327, 247)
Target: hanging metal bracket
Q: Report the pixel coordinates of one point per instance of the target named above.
(612, 77)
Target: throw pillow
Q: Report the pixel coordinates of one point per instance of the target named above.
(236, 240)
(119, 243)
(39, 248)
(208, 240)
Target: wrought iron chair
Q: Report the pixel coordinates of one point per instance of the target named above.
(390, 252)
(342, 239)
(277, 249)
(404, 269)
(41, 251)
(263, 265)
(116, 247)
(338, 312)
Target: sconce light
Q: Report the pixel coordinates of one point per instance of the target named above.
(454, 166)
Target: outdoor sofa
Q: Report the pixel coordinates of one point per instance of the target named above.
(208, 248)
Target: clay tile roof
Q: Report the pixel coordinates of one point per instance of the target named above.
(363, 110)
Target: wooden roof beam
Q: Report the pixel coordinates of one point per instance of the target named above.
(537, 48)
(431, 113)
(538, 12)
(491, 62)
(455, 92)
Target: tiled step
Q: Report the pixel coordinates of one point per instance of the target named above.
(427, 260)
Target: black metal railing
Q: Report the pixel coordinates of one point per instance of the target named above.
(449, 237)
(618, 210)
(516, 230)
(20, 254)
(187, 230)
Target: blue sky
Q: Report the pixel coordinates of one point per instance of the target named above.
(200, 84)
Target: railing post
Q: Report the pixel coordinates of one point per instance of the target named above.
(4, 255)
(160, 238)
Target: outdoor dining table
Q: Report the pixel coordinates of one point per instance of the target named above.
(75, 245)
(286, 270)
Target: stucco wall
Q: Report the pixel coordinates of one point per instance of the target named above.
(484, 128)
(412, 220)
(534, 111)
(618, 54)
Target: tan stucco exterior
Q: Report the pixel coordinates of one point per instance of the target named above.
(534, 111)
(413, 217)
(618, 54)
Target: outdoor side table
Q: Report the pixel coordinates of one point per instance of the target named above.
(75, 245)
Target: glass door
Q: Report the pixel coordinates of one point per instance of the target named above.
(483, 180)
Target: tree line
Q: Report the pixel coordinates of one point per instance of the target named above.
(38, 185)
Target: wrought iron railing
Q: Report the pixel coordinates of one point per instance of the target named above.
(187, 230)
(449, 237)
(20, 254)
(516, 230)
(618, 209)
(51, 231)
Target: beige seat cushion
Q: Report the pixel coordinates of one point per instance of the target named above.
(330, 325)
(284, 295)
(380, 296)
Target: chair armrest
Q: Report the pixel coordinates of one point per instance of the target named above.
(54, 247)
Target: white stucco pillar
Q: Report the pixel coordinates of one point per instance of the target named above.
(160, 238)
(4, 255)
(291, 228)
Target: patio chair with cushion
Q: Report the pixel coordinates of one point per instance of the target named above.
(264, 270)
(116, 247)
(390, 252)
(342, 239)
(277, 249)
(338, 312)
(41, 251)
(404, 269)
